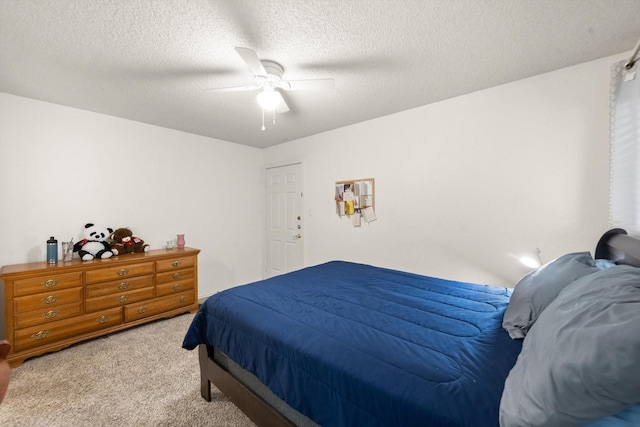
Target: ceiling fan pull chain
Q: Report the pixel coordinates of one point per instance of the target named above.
(274, 117)
(263, 119)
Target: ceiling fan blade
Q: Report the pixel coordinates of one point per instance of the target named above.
(253, 62)
(234, 88)
(312, 84)
(282, 105)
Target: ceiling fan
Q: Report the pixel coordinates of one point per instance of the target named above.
(268, 78)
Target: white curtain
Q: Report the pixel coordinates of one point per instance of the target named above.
(624, 205)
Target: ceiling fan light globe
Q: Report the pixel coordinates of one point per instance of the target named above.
(268, 99)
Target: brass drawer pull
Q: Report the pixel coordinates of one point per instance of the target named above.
(40, 335)
(177, 276)
(123, 298)
(176, 287)
(122, 286)
(50, 283)
(50, 314)
(123, 272)
(176, 263)
(50, 299)
(102, 319)
(141, 310)
(183, 299)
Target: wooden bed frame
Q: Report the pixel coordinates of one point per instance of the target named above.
(255, 407)
(614, 245)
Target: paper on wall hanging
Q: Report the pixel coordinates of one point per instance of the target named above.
(355, 219)
(368, 214)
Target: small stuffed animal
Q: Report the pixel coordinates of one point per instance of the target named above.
(124, 242)
(94, 244)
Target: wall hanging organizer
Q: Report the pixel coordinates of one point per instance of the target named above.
(355, 199)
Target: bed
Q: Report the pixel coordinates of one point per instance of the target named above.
(345, 344)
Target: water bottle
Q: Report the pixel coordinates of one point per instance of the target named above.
(52, 250)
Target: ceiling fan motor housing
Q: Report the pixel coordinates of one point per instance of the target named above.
(273, 69)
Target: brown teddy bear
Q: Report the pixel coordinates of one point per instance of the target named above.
(125, 243)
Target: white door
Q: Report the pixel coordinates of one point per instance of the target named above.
(285, 232)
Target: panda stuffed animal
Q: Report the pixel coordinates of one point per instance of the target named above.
(94, 244)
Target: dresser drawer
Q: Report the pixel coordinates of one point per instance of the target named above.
(46, 283)
(114, 273)
(53, 332)
(47, 315)
(47, 300)
(174, 276)
(117, 300)
(174, 287)
(158, 305)
(118, 286)
(175, 263)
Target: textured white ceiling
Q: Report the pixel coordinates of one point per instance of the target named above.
(151, 60)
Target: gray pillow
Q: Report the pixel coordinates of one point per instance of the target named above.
(580, 360)
(535, 291)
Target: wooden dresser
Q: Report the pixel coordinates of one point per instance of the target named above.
(51, 306)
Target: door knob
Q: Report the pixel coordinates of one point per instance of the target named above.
(297, 236)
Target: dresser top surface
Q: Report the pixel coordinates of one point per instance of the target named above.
(76, 263)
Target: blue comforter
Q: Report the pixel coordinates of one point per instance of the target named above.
(354, 345)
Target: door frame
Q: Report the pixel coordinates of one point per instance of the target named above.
(265, 239)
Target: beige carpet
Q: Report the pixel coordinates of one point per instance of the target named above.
(138, 377)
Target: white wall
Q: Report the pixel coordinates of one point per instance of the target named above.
(62, 167)
(463, 187)
(466, 186)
